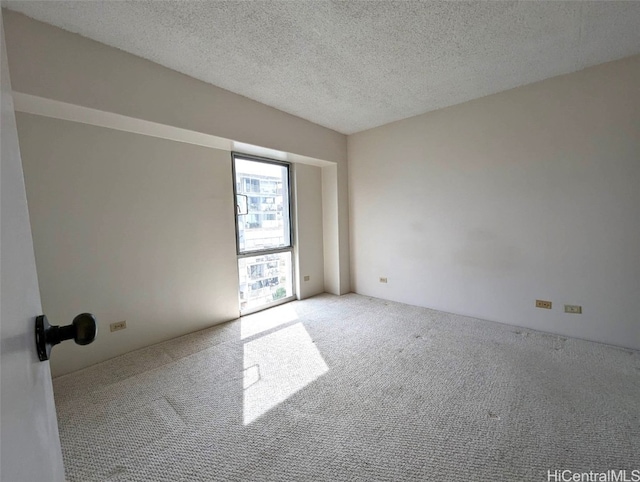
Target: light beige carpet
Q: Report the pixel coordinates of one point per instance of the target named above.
(353, 388)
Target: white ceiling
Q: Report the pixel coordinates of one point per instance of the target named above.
(355, 65)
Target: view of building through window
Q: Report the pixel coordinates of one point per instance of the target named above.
(263, 224)
(264, 279)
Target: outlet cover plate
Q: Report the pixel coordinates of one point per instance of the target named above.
(575, 309)
(543, 304)
(118, 325)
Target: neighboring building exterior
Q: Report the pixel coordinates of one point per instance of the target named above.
(266, 277)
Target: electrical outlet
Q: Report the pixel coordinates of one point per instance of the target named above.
(307, 278)
(543, 304)
(383, 280)
(119, 325)
(573, 309)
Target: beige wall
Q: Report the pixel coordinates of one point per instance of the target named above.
(330, 229)
(49, 62)
(481, 208)
(128, 227)
(137, 228)
(52, 64)
(309, 236)
(136, 258)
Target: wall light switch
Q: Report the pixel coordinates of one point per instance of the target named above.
(383, 280)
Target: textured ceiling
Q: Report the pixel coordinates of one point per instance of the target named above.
(355, 65)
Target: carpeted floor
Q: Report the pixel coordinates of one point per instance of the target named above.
(353, 388)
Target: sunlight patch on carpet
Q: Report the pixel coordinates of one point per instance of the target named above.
(266, 320)
(276, 366)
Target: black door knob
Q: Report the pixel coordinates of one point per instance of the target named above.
(83, 330)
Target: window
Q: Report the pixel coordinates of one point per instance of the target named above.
(263, 230)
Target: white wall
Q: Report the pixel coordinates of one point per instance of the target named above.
(128, 227)
(308, 224)
(30, 446)
(481, 208)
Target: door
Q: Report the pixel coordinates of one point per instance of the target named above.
(264, 236)
(29, 442)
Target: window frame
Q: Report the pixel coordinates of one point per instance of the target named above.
(290, 248)
(247, 157)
